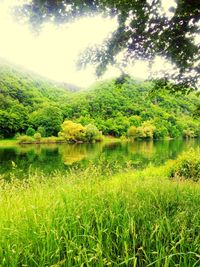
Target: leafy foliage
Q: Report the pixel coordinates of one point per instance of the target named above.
(112, 107)
(22, 94)
(48, 117)
(187, 166)
(74, 132)
(115, 108)
(30, 132)
(143, 31)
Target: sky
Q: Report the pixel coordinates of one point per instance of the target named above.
(54, 52)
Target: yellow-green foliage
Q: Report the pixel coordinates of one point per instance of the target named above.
(132, 131)
(72, 131)
(146, 130)
(37, 136)
(92, 133)
(187, 166)
(85, 219)
(25, 139)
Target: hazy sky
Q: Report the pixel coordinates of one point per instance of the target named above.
(54, 52)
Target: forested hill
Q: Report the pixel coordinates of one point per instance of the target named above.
(28, 88)
(27, 101)
(115, 107)
(22, 93)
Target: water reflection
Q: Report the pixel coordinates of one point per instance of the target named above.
(22, 160)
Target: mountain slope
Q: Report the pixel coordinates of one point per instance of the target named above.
(22, 93)
(115, 107)
(27, 100)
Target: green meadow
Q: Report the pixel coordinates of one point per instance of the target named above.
(132, 218)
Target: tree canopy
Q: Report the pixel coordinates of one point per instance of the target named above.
(144, 31)
(29, 104)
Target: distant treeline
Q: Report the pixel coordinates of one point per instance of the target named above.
(115, 108)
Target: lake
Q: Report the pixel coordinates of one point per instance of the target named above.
(19, 161)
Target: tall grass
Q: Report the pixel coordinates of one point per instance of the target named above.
(129, 219)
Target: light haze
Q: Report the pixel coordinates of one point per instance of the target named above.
(55, 51)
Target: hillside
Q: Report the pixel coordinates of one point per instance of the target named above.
(27, 100)
(22, 93)
(114, 107)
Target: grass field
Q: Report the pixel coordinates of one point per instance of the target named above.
(134, 218)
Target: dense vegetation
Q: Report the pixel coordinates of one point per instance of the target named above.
(21, 95)
(115, 107)
(138, 218)
(187, 166)
(118, 107)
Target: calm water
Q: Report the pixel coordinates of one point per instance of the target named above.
(22, 160)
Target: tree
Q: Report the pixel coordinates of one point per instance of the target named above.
(42, 131)
(132, 131)
(37, 137)
(30, 131)
(49, 117)
(143, 32)
(146, 130)
(72, 131)
(92, 133)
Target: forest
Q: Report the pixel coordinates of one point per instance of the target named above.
(117, 107)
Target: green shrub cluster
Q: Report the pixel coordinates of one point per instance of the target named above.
(187, 166)
(37, 139)
(25, 139)
(145, 131)
(76, 132)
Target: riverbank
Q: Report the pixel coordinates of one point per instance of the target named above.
(54, 140)
(133, 218)
(7, 142)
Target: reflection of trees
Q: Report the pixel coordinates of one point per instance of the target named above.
(77, 152)
(72, 153)
(51, 157)
(145, 148)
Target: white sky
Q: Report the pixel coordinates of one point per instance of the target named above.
(55, 51)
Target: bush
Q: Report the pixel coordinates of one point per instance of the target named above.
(92, 133)
(42, 131)
(187, 166)
(37, 137)
(17, 135)
(72, 131)
(132, 131)
(24, 139)
(30, 131)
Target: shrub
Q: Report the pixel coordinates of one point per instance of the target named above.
(146, 130)
(92, 133)
(30, 131)
(42, 131)
(72, 131)
(187, 166)
(37, 136)
(24, 139)
(132, 131)
(17, 135)
(188, 133)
